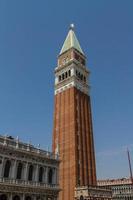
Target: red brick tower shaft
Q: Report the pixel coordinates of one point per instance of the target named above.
(73, 132)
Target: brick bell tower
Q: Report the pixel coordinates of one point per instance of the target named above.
(73, 132)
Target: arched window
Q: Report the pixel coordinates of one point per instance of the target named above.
(41, 172)
(50, 176)
(66, 74)
(7, 169)
(81, 197)
(69, 72)
(84, 79)
(19, 171)
(63, 76)
(59, 78)
(30, 175)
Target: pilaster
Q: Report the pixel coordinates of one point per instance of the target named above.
(36, 173)
(14, 169)
(2, 167)
(10, 196)
(46, 175)
(26, 171)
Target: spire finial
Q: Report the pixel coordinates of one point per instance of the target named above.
(72, 26)
(71, 41)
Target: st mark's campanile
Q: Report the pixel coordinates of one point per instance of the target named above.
(73, 131)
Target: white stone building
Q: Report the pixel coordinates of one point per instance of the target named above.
(26, 172)
(122, 189)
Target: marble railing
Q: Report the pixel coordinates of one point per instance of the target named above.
(27, 183)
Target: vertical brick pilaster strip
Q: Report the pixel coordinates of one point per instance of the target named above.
(69, 140)
(72, 144)
(83, 139)
(76, 140)
(93, 167)
(92, 147)
(89, 142)
(66, 145)
(63, 143)
(80, 138)
(60, 110)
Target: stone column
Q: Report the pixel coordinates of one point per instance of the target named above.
(26, 172)
(2, 167)
(57, 176)
(36, 173)
(13, 169)
(54, 176)
(10, 196)
(23, 196)
(46, 175)
(34, 197)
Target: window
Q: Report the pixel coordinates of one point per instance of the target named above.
(41, 172)
(66, 75)
(30, 175)
(59, 78)
(7, 169)
(63, 76)
(19, 171)
(81, 197)
(69, 72)
(84, 79)
(50, 176)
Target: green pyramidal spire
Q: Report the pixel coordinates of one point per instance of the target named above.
(71, 41)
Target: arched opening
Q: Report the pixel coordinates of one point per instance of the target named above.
(3, 197)
(41, 172)
(81, 77)
(63, 76)
(7, 169)
(66, 74)
(59, 78)
(19, 171)
(16, 197)
(30, 175)
(81, 197)
(50, 176)
(28, 198)
(69, 72)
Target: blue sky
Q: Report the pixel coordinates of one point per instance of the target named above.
(31, 35)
